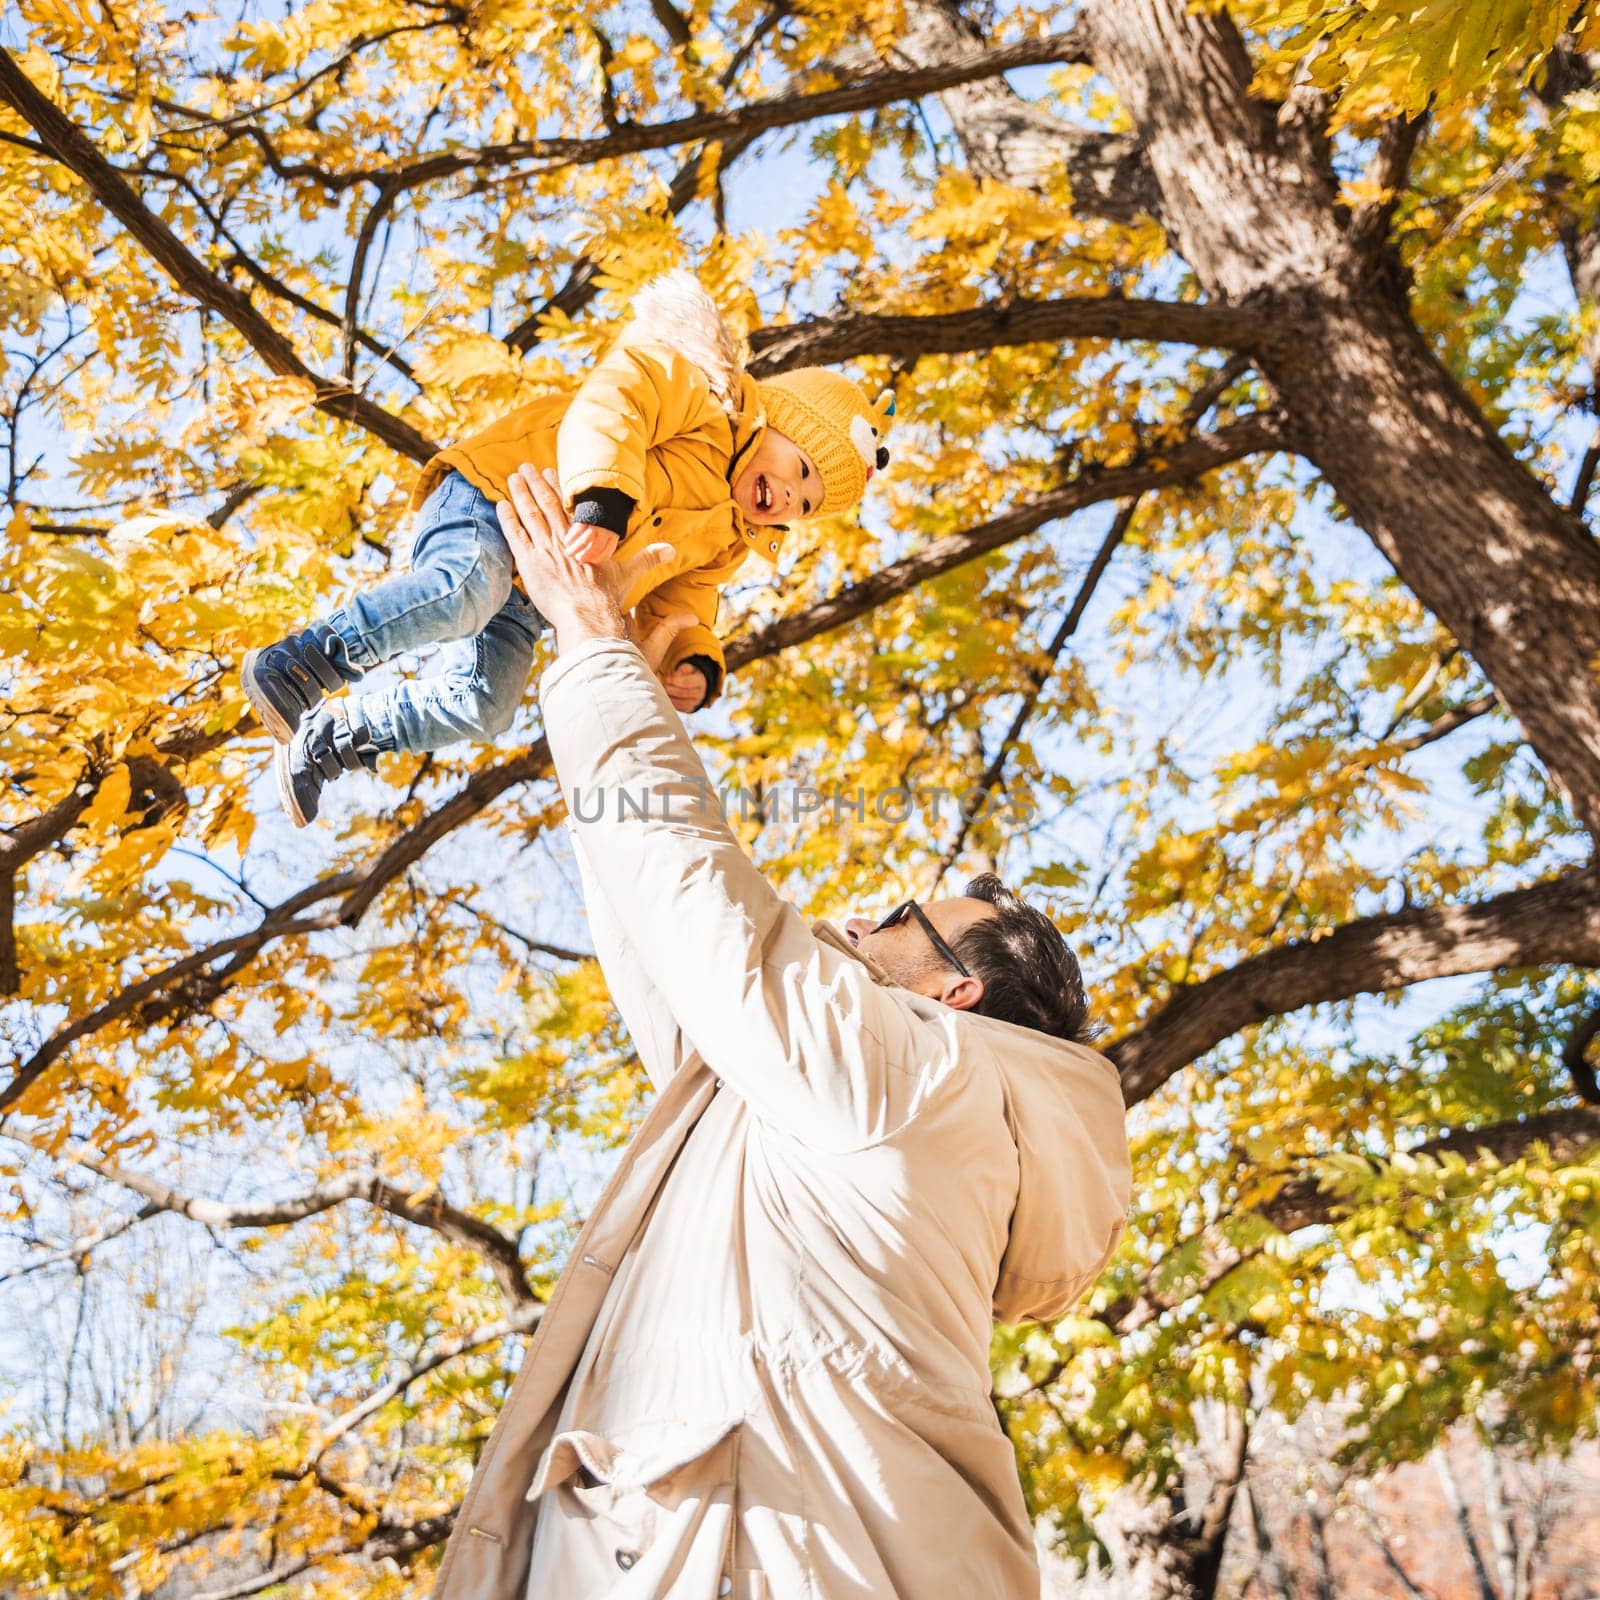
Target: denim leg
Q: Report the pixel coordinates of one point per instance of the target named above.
(460, 577)
(475, 697)
(458, 588)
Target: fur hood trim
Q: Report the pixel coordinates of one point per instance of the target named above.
(675, 310)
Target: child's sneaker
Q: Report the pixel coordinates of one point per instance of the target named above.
(287, 679)
(326, 744)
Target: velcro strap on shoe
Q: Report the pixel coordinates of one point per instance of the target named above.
(317, 656)
(353, 746)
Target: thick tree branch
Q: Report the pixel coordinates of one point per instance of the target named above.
(1567, 1133)
(1013, 141)
(1304, 1203)
(1558, 921)
(1369, 222)
(152, 996)
(74, 150)
(830, 340)
(1160, 467)
(460, 1227)
(866, 93)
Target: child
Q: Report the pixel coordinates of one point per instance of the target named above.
(667, 441)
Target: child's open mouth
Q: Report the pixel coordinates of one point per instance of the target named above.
(763, 493)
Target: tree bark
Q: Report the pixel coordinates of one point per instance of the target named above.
(1246, 192)
(1552, 922)
(1511, 573)
(1251, 202)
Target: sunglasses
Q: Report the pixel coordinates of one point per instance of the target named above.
(910, 908)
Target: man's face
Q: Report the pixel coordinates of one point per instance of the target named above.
(912, 959)
(778, 484)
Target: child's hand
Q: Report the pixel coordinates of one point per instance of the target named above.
(592, 545)
(686, 687)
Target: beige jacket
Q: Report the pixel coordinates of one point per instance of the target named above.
(765, 1371)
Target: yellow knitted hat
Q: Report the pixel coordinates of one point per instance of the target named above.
(832, 420)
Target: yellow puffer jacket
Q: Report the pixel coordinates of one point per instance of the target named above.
(645, 422)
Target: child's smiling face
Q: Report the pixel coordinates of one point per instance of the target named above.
(778, 483)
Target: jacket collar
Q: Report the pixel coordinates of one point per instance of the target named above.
(749, 423)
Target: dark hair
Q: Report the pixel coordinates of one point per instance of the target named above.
(1029, 974)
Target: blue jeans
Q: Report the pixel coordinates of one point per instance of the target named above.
(459, 588)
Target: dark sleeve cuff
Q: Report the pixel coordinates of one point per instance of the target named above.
(713, 675)
(604, 508)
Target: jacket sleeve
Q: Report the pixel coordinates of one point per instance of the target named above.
(795, 1027)
(636, 397)
(698, 592)
(656, 1035)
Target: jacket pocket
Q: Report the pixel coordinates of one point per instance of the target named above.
(642, 1518)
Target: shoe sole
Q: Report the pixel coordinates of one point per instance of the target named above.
(272, 719)
(286, 794)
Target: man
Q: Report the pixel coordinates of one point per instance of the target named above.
(765, 1370)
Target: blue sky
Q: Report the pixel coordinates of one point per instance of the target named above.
(539, 895)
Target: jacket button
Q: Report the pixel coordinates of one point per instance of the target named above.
(725, 1587)
(656, 523)
(626, 1558)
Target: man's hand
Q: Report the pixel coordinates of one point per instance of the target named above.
(590, 544)
(686, 687)
(581, 602)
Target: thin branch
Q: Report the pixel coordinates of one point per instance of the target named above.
(338, 64)
(867, 92)
(74, 150)
(276, 287)
(583, 278)
(1580, 489)
(974, 800)
(524, 1320)
(1380, 1537)
(79, 1250)
(1458, 1508)
(461, 1227)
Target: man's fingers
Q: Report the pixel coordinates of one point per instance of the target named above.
(511, 525)
(653, 555)
(655, 644)
(524, 492)
(545, 487)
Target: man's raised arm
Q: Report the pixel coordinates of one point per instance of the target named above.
(797, 1028)
(656, 1035)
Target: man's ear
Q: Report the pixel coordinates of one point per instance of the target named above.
(962, 994)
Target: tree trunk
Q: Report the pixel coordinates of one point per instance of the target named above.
(1246, 192)
(1514, 576)
(1251, 201)
(1173, 1549)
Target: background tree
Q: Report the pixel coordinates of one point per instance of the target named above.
(1303, 297)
